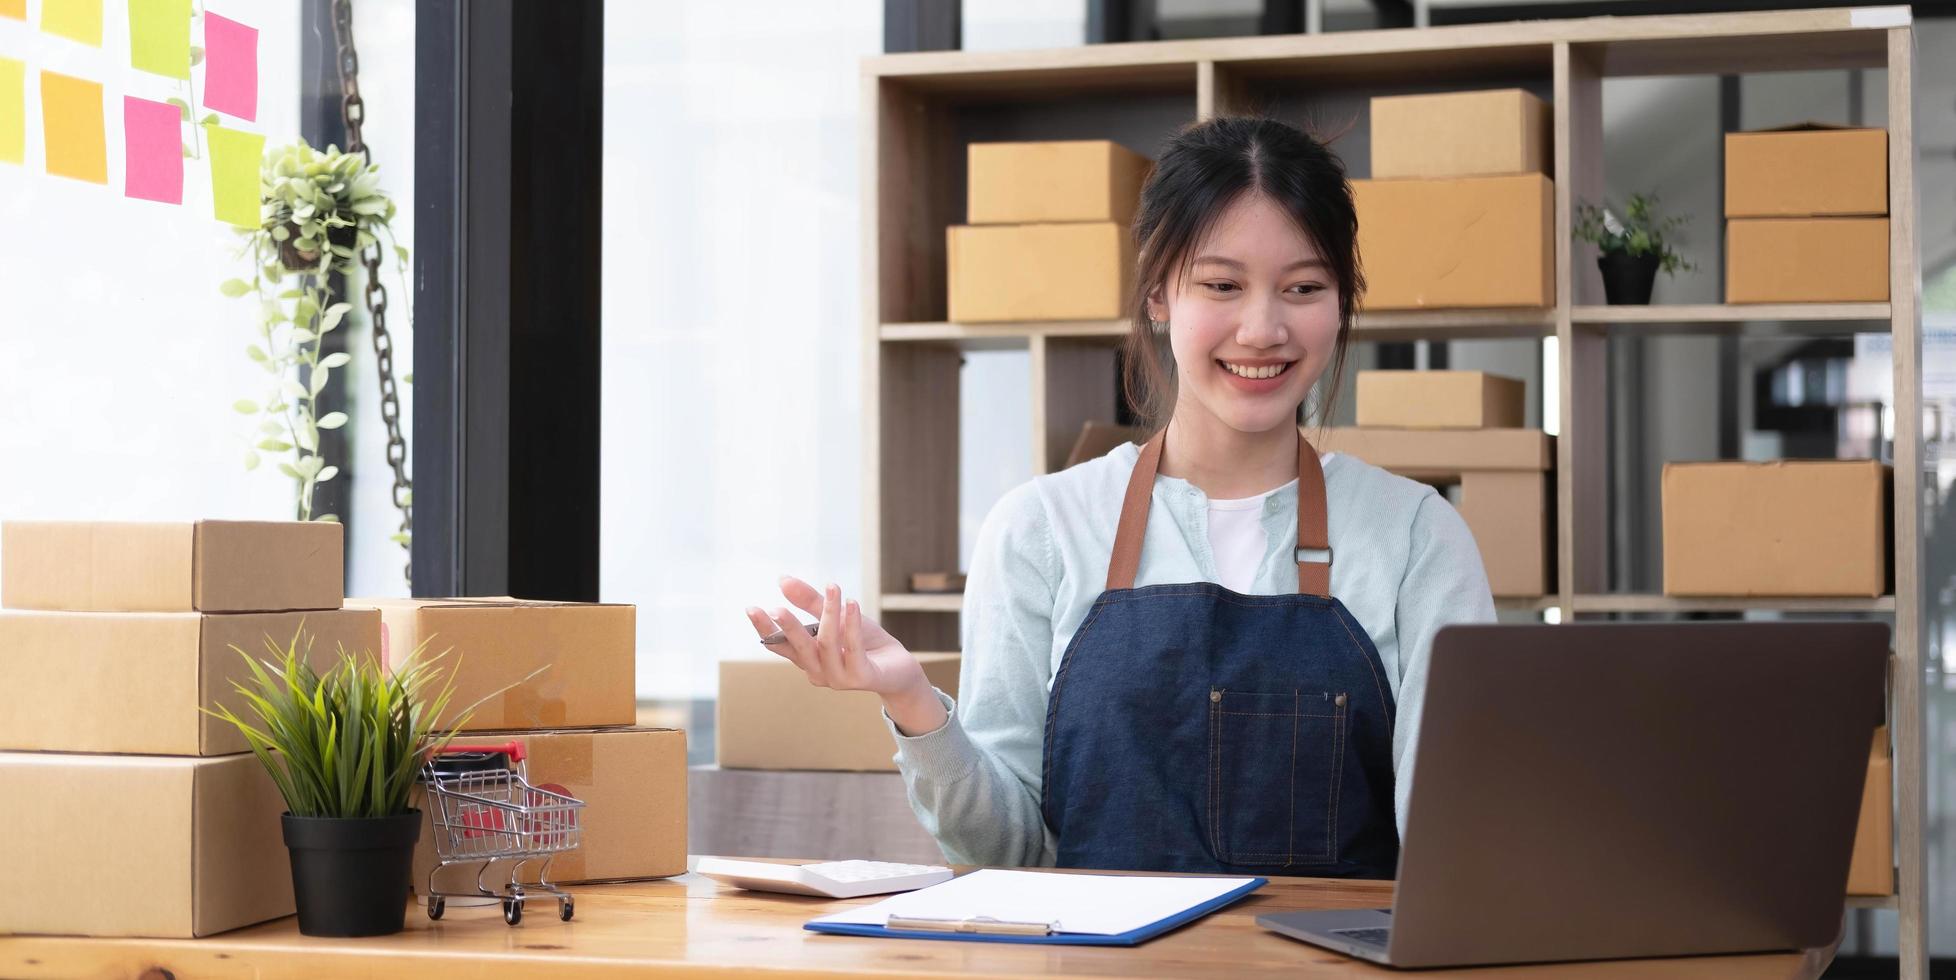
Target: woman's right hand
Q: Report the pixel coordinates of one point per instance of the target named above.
(851, 653)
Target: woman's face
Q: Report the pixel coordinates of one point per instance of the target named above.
(1256, 321)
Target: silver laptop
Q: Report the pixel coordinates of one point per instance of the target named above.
(1611, 790)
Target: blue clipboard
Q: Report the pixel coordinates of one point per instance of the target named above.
(1131, 938)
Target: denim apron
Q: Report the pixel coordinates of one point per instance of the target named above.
(1194, 728)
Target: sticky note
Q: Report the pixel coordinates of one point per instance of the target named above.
(230, 67)
(71, 112)
(17, 9)
(234, 173)
(152, 140)
(13, 111)
(77, 20)
(159, 37)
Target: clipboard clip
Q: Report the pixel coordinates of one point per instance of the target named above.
(981, 924)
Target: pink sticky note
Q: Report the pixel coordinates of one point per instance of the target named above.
(230, 67)
(153, 150)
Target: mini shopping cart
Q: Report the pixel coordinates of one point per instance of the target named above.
(485, 810)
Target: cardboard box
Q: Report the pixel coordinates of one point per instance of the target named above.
(1457, 243)
(1872, 870)
(1789, 528)
(633, 784)
(1097, 439)
(1806, 260)
(770, 717)
(1440, 454)
(109, 845)
(133, 682)
(1066, 180)
(1509, 515)
(1461, 134)
(1440, 400)
(209, 566)
(1806, 171)
(1002, 273)
(589, 651)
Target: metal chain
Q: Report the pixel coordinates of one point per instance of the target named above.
(353, 112)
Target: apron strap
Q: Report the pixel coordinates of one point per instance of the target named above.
(1313, 528)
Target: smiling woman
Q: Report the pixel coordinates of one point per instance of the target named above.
(1164, 668)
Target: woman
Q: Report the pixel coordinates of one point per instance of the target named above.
(1164, 667)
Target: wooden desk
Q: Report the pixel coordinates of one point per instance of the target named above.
(694, 926)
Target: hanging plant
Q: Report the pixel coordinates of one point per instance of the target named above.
(319, 212)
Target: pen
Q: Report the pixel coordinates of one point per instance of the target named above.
(981, 924)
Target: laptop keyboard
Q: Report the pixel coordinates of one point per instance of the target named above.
(1370, 937)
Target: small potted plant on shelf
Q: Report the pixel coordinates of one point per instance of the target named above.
(1633, 249)
(344, 747)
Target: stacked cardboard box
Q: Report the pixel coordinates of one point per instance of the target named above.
(1459, 208)
(112, 637)
(770, 717)
(575, 719)
(1049, 237)
(1872, 869)
(1806, 212)
(1784, 528)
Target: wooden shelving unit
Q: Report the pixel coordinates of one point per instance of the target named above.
(920, 111)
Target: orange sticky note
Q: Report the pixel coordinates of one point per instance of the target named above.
(71, 113)
(17, 9)
(78, 20)
(13, 111)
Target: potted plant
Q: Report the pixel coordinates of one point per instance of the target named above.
(1633, 249)
(344, 747)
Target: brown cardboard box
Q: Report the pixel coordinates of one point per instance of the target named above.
(111, 845)
(1872, 871)
(1097, 439)
(1065, 180)
(589, 651)
(1806, 260)
(1457, 243)
(212, 566)
(1423, 453)
(1509, 515)
(1806, 171)
(1440, 400)
(1461, 134)
(633, 784)
(133, 682)
(1001, 273)
(1788, 528)
(772, 718)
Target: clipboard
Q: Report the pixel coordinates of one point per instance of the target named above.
(986, 929)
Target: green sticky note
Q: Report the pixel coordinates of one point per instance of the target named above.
(159, 37)
(78, 20)
(13, 111)
(235, 156)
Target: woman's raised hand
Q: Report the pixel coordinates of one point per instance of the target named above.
(851, 653)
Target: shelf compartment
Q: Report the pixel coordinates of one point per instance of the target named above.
(1648, 603)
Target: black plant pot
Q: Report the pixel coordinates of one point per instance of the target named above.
(1627, 278)
(350, 875)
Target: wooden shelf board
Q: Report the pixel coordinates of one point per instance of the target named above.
(1396, 325)
(1645, 603)
(1871, 902)
(944, 602)
(1832, 318)
(1005, 336)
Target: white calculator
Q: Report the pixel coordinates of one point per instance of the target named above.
(831, 879)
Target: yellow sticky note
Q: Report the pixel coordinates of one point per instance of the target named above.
(13, 111)
(17, 9)
(234, 174)
(159, 36)
(79, 20)
(71, 114)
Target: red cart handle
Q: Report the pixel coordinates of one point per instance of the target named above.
(512, 749)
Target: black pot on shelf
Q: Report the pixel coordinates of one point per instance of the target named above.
(1627, 279)
(350, 875)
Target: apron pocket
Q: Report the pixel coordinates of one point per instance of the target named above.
(1274, 765)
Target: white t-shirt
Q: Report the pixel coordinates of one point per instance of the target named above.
(1237, 537)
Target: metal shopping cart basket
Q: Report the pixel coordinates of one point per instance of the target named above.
(485, 810)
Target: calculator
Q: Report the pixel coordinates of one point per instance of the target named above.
(829, 879)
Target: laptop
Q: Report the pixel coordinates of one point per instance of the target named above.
(1613, 790)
